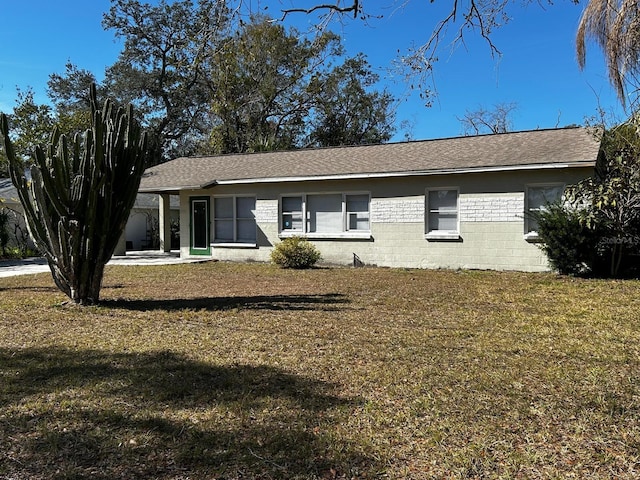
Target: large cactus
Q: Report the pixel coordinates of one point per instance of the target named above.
(79, 196)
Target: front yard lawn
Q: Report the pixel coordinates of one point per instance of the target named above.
(229, 371)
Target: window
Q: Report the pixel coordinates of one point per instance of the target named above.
(324, 213)
(292, 214)
(537, 196)
(245, 219)
(358, 212)
(442, 214)
(234, 220)
(223, 220)
(330, 215)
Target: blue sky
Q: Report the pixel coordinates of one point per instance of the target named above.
(537, 69)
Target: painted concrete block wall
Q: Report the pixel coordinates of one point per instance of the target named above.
(185, 234)
(501, 246)
(491, 215)
(483, 245)
(491, 230)
(497, 244)
(267, 236)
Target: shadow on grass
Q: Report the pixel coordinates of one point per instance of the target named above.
(27, 288)
(68, 414)
(328, 301)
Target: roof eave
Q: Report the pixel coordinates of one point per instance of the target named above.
(175, 189)
(450, 171)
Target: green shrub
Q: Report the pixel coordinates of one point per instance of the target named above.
(570, 246)
(19, 252)
(295, 252)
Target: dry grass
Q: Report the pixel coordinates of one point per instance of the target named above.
(231, 371)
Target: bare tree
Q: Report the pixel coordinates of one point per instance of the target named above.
(480, 15)
(416, 64)
(482, 120)
(354, 7)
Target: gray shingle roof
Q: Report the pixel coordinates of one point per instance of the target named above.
(518, 150)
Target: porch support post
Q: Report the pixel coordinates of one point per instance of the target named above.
(164, 220)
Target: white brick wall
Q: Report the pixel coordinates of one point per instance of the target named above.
(491, 208)
(266, 211)
(397, 210)
(473, 208)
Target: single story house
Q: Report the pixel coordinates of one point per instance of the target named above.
(447, 203)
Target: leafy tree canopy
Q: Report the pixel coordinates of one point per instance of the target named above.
(263, 76)
(346, 113)
(32, 125)
(615, 27)
(612, 195)
(203, 80)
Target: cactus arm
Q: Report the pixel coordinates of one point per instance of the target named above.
(81, 193)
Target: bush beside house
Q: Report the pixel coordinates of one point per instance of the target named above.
(596, 231)
(295, 252)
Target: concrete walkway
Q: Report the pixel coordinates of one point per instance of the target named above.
(9, 268)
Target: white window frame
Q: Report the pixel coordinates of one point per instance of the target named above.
(234, 219)
(529, 234)
(282, 213)
(304, 232)
(441, 234)
(348, 213)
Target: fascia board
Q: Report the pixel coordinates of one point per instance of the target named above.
(360, 176)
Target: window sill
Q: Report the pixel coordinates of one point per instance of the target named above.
(328, 236)
(234, 245)
(532, 237)
(445, 237)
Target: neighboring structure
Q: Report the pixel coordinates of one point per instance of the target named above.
(142, 230)
(8, 194)
(141, 233)
(17, 228)
(451, 203)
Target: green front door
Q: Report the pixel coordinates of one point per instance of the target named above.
(200, 243)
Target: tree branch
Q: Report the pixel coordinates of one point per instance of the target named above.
(355, 8)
